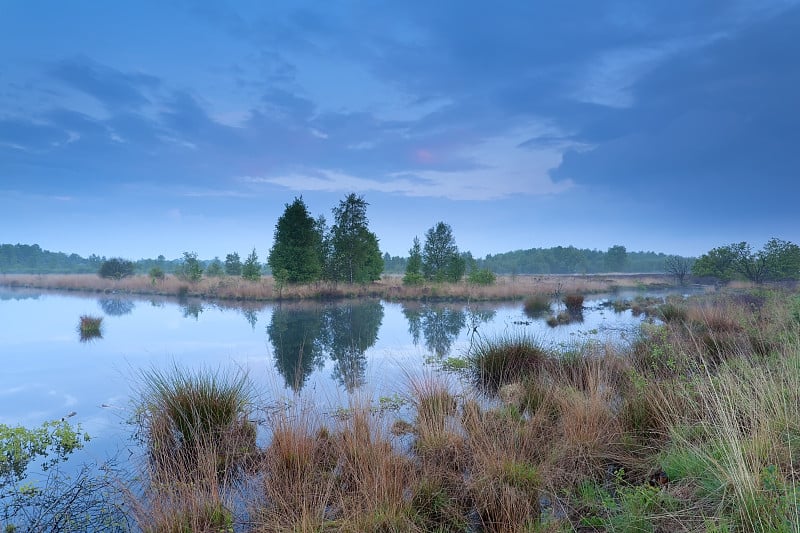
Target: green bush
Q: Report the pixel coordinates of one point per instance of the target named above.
(483, 276)
(116, 268)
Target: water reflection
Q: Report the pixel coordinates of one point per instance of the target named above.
(296, 333)
(303, 335)
(440, 324)
(116, 306)
(351, 330)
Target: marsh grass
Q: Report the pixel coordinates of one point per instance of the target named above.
(90, 327)
(657, 436)
(505, 359)
(388, 287)
(537, 305)
(185, 412)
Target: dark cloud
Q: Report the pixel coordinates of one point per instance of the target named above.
(718, 119)
(113, 88)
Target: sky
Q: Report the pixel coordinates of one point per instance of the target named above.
(154, 127)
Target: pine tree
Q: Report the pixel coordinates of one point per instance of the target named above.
(356, 257)
(295, 253)
(251, 269)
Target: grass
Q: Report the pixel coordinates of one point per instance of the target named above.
(537, 305)
(497, 361)
(660, 435)
(389, 287)
(90, 327)
(183, 411)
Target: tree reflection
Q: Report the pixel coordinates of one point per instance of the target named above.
(302, 336)
(440, 325)
(296, 334)
(116, 306)
(352, 330)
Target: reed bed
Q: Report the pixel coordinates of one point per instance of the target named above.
(389, 287)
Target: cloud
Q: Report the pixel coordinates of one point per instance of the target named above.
(112, 87)
(507, 170)
(714, 121)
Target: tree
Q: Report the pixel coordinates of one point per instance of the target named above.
(324, 248)
(251, 269)
(440, 258)
(777, 260)
(356, 257)
(716, 263)
(783, 259)
(677, 267)
(294, 257)
(116, 268)
(190, 269)
(413, 275)
(616, 259)
(214, 269)
(233, 265)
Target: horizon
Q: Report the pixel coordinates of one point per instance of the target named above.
(138, 130)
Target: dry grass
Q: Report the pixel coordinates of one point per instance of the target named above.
(389, 287)
(658, 437)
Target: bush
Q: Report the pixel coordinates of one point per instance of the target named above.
(156, 274)
(484, 276)
(190, 270)
(413, 278)
(116, 268)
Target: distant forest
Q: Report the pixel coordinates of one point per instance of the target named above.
(32, 259)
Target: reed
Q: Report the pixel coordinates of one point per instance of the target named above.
(389, 287)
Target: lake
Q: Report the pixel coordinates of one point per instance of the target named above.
(318, 351)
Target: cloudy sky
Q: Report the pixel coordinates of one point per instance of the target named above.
(157, 127)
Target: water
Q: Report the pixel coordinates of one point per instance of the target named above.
(320, 351)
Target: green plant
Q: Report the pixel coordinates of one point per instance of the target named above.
(191, 269)
(251, 270)
(156, 274)
(116, 268)
(482, 276)
(505, 359)
(182, 409)
(90, 327)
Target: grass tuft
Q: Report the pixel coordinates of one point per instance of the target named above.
(90, 327)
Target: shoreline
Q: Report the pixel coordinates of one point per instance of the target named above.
(389, 288)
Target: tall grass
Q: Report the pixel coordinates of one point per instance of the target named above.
(389, 287)
(662, 435)
(90, 327)
(497, 361)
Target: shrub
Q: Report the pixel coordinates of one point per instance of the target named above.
(156, 274)
(483, 276)
(116, 268)
(190, 270)
(413, 278)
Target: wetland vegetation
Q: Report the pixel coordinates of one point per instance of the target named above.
(690, 426)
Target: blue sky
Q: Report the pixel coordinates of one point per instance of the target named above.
(157, 127)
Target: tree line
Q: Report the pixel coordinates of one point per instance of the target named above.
(306, 250)
(778, 260)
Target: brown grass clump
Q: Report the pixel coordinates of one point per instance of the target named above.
(574, 302)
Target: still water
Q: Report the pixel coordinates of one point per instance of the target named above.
(319, 351)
